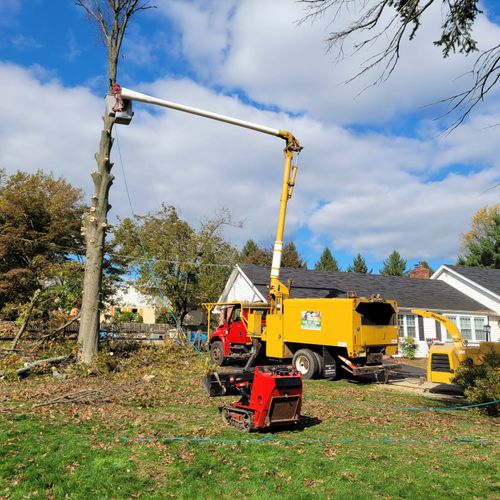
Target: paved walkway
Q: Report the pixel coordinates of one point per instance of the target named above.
(412, 378)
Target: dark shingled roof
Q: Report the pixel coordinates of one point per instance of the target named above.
(487, 278)
(414, 293)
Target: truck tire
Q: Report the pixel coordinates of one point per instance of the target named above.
(319, 360)
(335, 362)
(305, 362)
(217, 352)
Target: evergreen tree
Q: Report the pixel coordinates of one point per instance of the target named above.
(291, 257)
(262, 256)
(249, 249)
(253, 254)
(358, 265)
(394, 265)
(327, 262)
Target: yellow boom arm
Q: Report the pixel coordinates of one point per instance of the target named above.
(453, 330)
(277, 290)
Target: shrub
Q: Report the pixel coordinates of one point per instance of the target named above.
(408, 347)
(481, 383)
(128, 317)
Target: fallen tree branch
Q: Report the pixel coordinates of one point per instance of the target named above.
(70, 398)
(25, 371)
(25, 321)
(80, 396)
(61, 328)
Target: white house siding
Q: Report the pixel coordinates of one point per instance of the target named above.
(495, 328)
(479, 294)
(422, 325)
(242, 290)
(482, 296)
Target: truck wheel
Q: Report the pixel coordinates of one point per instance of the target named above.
(217, 352)
(304, 361)
(319, 361)
(335, 366)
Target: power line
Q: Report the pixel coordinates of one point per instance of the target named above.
(81, 250)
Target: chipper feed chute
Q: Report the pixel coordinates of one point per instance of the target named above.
(270, 396)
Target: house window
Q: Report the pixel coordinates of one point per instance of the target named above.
(453, 319)
(466, 327)
(471, 328)
(479, 328)
(407, 325)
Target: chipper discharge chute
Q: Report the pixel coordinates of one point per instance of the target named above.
(270, 396)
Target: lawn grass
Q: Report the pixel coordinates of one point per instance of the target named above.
(354, 441)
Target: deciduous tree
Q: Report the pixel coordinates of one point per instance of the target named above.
(390, 22)
(40, 218)
(176, 263)
(481, 244)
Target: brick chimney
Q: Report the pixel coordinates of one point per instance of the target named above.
(420, 272)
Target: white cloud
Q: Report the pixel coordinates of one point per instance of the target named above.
(257, 46)
(46, 126)
(367, 192)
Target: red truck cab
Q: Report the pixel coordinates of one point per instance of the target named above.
(231, 339)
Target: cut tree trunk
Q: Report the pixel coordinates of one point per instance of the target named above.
(26, 370)
(94, 227)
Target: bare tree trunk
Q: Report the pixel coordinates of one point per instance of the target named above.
(111, 17)
(95, 223)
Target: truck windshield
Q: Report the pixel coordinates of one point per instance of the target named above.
(376, 313)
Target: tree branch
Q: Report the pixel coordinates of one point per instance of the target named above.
(458, 20)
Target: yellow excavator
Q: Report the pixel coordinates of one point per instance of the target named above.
(445, 358)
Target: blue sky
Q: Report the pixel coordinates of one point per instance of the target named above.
(375, 174)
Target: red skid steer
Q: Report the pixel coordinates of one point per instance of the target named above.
(270, 396)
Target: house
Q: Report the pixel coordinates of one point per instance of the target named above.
(466, 298)
(129, 299)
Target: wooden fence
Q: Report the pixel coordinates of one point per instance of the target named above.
(125, 331)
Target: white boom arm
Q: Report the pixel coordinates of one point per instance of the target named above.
(137, 96)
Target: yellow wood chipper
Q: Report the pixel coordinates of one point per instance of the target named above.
(445, 358)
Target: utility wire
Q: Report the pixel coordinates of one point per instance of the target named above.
(81, 250)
